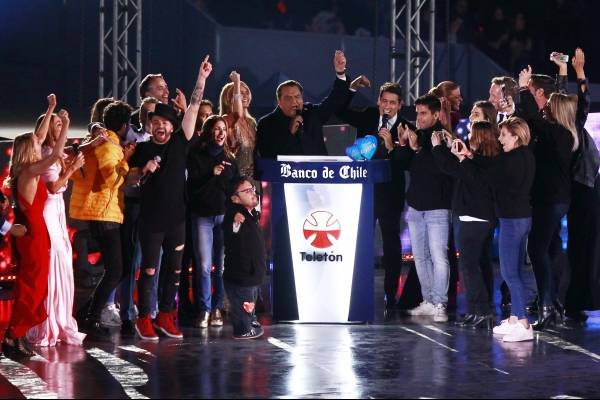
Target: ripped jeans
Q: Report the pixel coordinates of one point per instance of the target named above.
(172, 242)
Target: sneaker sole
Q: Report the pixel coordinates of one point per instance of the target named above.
(153, 338)
(216, 324)
(249, 338)
(508, 339)
(171, 335)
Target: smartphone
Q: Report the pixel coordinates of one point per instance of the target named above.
(559, 57)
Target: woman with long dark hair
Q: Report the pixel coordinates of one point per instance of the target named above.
(211, 167)
(473, 203)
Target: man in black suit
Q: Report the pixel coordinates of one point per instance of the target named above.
(295, 127)
(383, 121)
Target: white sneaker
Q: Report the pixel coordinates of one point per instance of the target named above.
(110, 316)
(424, 308)
(519, 334)
(505, 327)
(440, 313)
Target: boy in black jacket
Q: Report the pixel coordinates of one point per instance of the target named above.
(245, 258)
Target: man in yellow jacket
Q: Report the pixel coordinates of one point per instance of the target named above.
(97, 198)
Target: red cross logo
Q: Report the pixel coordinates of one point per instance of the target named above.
(321, 229)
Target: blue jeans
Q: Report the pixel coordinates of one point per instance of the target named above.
(429, 233)
(512, 245)
(207, 236)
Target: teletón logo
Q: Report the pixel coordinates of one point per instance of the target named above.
(322, 229)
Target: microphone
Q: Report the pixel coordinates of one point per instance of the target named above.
(76, 151)
(301, 125)
(148, 174)
(384, 120)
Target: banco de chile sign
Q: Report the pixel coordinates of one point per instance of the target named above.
(345, 172)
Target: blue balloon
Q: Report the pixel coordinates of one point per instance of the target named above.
(368, 146)
(354, 152)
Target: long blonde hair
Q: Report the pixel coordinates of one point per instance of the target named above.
(563, 109)
(226, 107)
(23, 155)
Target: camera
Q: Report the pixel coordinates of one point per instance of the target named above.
(559, 57)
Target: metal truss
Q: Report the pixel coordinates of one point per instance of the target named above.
(418, 54)
(120, 61)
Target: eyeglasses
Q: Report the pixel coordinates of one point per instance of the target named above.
(247, 191)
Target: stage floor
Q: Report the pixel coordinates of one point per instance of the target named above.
(395, 357)
(410, 358)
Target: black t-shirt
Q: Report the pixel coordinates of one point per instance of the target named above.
(163, 194)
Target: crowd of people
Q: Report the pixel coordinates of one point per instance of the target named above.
(173, 181)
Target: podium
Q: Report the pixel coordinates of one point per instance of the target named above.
(322, 230)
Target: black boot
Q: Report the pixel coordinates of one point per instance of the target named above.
(465, 320)
(16, 348)
(547, 317)
(484, 321)
(95, 331)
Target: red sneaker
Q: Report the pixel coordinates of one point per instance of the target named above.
(165, 323)
(144, 329)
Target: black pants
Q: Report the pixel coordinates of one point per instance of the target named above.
(476, 265)
(584, 248)
(545, 224)
(172, 241)
(392, 253)
(237, 295)
(109, 238)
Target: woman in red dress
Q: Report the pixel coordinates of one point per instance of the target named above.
(33, 249)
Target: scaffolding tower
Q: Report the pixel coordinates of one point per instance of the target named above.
(417, 53)
(120, 61)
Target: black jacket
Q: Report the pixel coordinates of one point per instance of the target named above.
(429, 188)
(551, 144)
(273, 136)
(471, 197)
(511, 177)
(207, 192)
(245, 254)
(389, 194)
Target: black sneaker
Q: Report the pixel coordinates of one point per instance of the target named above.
(95, 331)
(251, 334)
(128, 328)
(255, 323)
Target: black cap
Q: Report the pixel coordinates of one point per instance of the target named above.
(167, 112)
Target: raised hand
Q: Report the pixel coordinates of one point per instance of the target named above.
(578, 63)
(235, 77)
(51, 101)
(64, 117)
(205, 68)
(339, 62)
(360, 82)
(525, 76)
(179, 102)
(77, 162)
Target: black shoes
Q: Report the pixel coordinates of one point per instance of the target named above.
(95, 331)
(253, 333)
(477, 321)
(485, 321)
(548, 317)
(465, 320)
(16, 348)
(128, 328)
